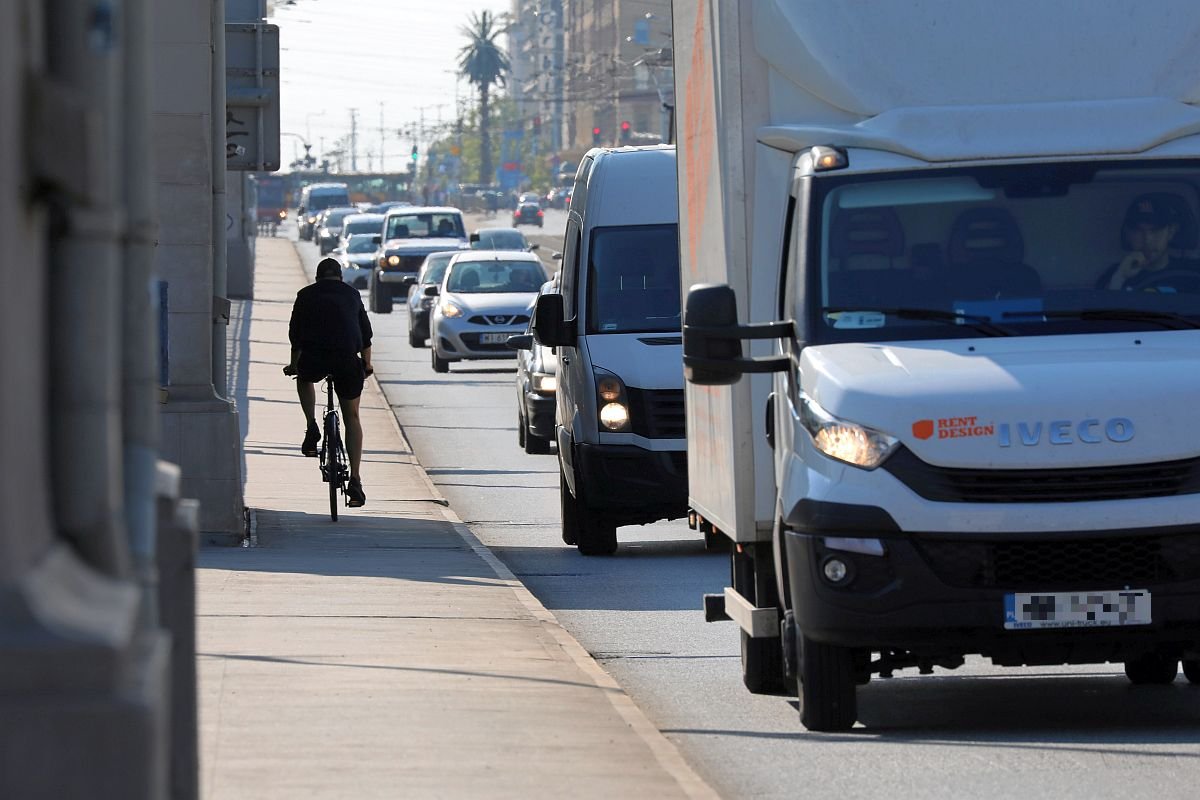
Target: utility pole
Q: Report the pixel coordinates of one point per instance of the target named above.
(354, 140)
(382, 142)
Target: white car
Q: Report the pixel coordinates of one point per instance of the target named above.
(485, 297)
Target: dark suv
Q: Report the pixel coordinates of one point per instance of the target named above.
(528, 214)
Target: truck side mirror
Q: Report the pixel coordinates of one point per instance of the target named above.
(710, 360)
(549, 326)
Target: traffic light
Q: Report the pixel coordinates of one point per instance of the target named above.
(414, 154)
(596, 136)
(626, 132)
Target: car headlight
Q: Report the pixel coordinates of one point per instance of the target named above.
(544, 383)
(612, 402)
(846, 441)
(450, 310)
(393, 260)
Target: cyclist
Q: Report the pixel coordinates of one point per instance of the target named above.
(331, 335)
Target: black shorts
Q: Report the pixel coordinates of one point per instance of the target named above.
(346, 369)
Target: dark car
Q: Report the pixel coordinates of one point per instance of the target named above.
(419, 303)
(528, 214)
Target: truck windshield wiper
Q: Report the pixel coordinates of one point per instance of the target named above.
(1168, 319)
(973, 321)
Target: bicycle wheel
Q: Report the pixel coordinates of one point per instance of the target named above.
(333, 469)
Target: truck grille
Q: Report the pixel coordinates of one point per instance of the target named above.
(1075, 485)
(407, 264)
(657, 413)
(1091, 563)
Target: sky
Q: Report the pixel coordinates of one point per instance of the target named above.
(343, 54)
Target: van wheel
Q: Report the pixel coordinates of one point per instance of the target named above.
(1191, 670)
(569, 510)
(597, 536)
(439, 364)
(762, 665)
(828, 690)
(1152, 669)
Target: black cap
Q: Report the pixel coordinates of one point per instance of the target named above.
(1152, 209)
(329, 268)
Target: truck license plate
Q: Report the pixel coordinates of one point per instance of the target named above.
(494, 338)
(1025, 611)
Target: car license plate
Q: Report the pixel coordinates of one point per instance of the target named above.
(1026, 611)
(494, 338)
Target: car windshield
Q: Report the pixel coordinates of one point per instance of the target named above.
(435, 267)
(495, 277)
(374, 226)
(431, 225)
(504, 239)
(633, 280)
(362, 243)
(1013, 250)
(335, 217)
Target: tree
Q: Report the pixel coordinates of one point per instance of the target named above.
(483, 64)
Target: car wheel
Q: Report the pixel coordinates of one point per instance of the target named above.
(535, 445)
(439, 364)
(828, 691)
(569, 510)
(1152, 669)
(521, 433)
(1191, 670)
(414, 340)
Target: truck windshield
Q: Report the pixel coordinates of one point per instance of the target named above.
(424, 226)
(1015, 250)
(633, 280)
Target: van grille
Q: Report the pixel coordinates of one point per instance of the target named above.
(657, 413)
(1074, 485)
(1091, 563)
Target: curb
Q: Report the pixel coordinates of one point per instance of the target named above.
(663, 749)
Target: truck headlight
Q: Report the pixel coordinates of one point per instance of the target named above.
(845, 441)
(544, 383)
(450, 310)
(393, 261)
(612, 402)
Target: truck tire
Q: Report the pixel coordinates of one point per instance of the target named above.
(569, 511)
(762, 665)
(1191, 670)
(828, 691)
(1152, 669)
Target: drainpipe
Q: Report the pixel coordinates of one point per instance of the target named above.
(85, 303)
(140, 332)
(220, 260)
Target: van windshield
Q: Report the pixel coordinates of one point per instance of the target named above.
(1027, 250)
(633, 280)
(318, 201)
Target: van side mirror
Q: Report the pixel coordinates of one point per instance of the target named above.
(432, 290)
(550, 328)
(522, 341)
(712, 346)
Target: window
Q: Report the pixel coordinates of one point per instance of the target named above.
(496, 277)
(424, 226)
(633, 280)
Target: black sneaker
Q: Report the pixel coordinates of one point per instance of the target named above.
(309, 447)
(354, 491)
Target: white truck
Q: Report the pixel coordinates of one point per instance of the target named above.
(941, 337)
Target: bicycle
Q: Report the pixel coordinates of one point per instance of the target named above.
(335, 469)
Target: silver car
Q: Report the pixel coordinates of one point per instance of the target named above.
(485, 297)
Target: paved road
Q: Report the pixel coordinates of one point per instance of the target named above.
(1079, 732)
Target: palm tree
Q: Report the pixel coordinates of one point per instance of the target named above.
(483, 64)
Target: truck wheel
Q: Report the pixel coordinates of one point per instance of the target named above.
(762, 665)
(828, 694)
(1191, 670)
(1152, 669)
(439, 364)
(569, 510)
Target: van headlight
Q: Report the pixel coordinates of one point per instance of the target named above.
(612, 402)
(845, 441)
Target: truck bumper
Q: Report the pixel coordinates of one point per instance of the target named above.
(944, 594)
(640, 486)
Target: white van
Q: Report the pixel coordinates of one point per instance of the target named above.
(619, 422)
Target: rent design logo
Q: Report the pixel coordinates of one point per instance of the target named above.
(952, 428)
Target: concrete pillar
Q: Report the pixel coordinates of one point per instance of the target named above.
(240, 244)
(200, 429)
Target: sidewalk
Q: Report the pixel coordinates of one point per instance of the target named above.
(388, 655)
